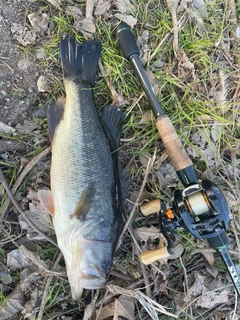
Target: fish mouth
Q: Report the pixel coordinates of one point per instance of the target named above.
(86, 283)
(91, 278)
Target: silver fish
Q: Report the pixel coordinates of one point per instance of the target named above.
(85, 187)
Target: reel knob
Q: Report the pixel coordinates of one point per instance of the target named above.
(150, 207)
(151, 256)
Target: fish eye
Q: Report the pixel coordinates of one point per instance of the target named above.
(106, 264)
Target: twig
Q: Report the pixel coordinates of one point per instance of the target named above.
(172, 7)
(20, 178)
(49, 280)
(149, 166)
(43, 270)
(186, 281)
(118, 100)
(151, 306)
(25, 217)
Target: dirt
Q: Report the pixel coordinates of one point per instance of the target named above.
(19, 71)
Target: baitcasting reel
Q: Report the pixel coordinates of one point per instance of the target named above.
(202, 210)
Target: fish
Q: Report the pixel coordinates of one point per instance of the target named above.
(86, 189)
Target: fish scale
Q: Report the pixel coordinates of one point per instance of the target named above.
(76, 147)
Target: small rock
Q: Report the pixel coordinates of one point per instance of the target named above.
(4, 93)
(4, 156)
(159, 64)
(4, 128)
(39, 21)
(40, 54)
(42, 84)
(23, 65)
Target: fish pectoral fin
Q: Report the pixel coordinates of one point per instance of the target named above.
(54, 116)
(46, 199)
(84, 203)
(113, 120)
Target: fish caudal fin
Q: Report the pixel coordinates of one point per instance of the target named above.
(79, 61)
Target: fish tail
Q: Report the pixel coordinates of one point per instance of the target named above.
(79, 61)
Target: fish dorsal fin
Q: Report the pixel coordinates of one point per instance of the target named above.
(84, 203)
(54, 116)
(46, 199)
(112, 120)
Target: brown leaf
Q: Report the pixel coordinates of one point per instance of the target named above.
(55, 3)
(39, 21)
(13, 303)
(124, 308)
(23, 35)
(102, 7)
(106, 312)
(85, 26)
(209, 299)
(75, 12)
(144, 233)
(208, 255)
(128, 19)
(124, 6)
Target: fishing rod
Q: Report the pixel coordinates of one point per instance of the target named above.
(200, 208)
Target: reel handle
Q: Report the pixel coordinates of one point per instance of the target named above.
(151, 256)
(150, 207)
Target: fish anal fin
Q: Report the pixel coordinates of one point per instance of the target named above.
(46, 199)
(113, 120)
(54, 116)
(84, 203)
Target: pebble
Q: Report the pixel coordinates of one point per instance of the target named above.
(42, 84)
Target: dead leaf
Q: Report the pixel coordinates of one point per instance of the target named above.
(124, 307)
(177, 252)
(197, 288)
(213, 271)
(102, 7)
(145, 234)
(128, 19)
(106, 311)
(144, 159)
(16, 259)
(209, 299)
(55, 3)
(124, 6)
(209, 255)
(85, 26)
(39, 21)
(23, 35)
(12, 304)
(5, 277)
(76, 12)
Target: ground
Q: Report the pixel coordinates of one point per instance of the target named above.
(190, 50)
